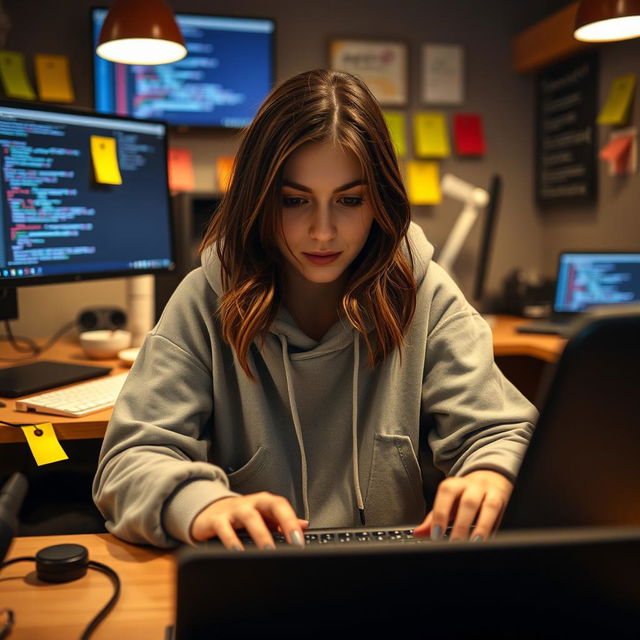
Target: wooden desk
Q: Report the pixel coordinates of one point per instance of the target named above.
(506, 342)
(91, 426)
(46, 611)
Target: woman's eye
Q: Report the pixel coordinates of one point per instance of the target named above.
(292, 201)
(351, 201)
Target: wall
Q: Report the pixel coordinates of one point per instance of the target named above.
(614, 222)
(304, 29)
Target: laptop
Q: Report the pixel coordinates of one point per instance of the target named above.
(588, 279)
(564, 564)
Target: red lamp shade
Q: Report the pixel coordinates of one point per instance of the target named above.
(141, 32)
(607, 20)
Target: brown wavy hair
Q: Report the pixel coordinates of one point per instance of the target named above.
(315, 106)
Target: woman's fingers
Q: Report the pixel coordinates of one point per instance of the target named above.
(257, 513)
(279, 511)
(490, 516)
(444, 506)
(469, 504)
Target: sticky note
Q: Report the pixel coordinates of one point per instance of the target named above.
(14, 76)
(423, 180)
(105, 160)
(44, 444)
(181, 176)
(397, 124)
(431, 135)
(224, 171)
(468, 134)
(617, 108)
(53, 78)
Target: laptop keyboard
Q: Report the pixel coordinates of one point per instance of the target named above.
(343, 537)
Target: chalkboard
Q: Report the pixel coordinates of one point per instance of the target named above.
(566, 168)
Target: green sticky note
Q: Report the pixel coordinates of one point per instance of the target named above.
(617, 108)
(397, 124)
(14, 76)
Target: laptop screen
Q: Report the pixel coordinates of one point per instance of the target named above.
(590, 279)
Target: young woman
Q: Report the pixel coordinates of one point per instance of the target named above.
(318, 368)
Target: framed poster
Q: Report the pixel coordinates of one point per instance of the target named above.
(442, 74)
(383, 65)
(566, 164)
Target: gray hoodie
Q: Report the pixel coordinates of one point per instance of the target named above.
(336, 438)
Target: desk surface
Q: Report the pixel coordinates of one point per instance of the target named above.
(61, 611)
(506, 342)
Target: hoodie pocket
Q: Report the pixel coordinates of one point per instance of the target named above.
(394, 494)
(247, 478)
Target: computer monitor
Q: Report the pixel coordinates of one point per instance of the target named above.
(227, 73)
(59, 220)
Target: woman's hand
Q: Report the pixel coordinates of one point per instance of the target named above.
(256, 512)
(480, 496)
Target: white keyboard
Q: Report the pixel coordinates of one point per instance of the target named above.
(77, 400)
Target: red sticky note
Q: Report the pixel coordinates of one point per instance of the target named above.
(468, 134)
(181, 170)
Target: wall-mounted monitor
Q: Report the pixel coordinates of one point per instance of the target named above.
(227, 73)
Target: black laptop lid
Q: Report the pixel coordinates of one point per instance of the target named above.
(583, 464)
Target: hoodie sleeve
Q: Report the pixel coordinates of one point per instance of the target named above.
(478, 419)
(153, 477)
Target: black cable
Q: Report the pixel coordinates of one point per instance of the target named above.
(5, 629)
(98, 566)
(13, 341)
(98, 618)
(34, 349)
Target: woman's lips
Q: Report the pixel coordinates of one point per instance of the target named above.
(323, 258)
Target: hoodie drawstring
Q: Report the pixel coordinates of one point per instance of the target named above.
(296, 424)
(354, 425)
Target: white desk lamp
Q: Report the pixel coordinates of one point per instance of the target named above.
(474, 200)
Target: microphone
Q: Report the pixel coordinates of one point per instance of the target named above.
(11, 497)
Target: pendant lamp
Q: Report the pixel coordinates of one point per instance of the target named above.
(607, 20)
(141, 32)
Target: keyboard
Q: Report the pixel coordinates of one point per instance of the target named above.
(342, 537)
(77, 400)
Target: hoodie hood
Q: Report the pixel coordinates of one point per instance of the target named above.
(339, 336)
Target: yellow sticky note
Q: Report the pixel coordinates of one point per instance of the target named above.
(431, 135)
(423, 179)
(53, 78)
(44, 444)
(396, 122)
(14, 76)
(105, 160)
(617, 108)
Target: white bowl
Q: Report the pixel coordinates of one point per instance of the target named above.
(104, 344)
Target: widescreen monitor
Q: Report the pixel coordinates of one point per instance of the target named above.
(227, 73)
(59, 220)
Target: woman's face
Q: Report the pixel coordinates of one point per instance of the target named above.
(326, 211)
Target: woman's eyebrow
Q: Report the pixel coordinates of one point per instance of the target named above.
(344, 187)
